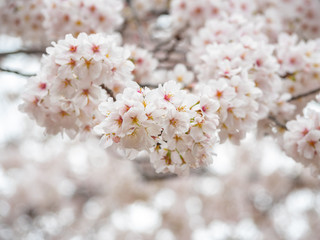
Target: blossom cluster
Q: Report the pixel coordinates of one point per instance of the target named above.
(223, 67)
(302, 139)
(241, 75)
(145, 64)
(73, 16)
(299, 63)
(24, 19)
(298, 16)
(90, 190)
(147, 72)
(225, 29)
(181, 74)
(195, 13)
(66, 93)
(52, 19)
(176, 127)
(39, 21)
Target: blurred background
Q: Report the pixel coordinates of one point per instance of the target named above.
(52, 187)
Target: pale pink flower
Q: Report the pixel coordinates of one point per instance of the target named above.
(181, 74)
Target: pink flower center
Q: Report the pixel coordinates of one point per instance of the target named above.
(259, 63)
(312, 143)
(73, 48)
(204, 108)
(168, 97)
(305, 131)
(219, 94)
(173, 122)
(42, 86)
(95, 48)
(119, 121)
(116, 139)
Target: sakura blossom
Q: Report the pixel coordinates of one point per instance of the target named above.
(139, 120)
(145, 64)
(294, 16)
(299, 63)
(174, 129)
(301, 140)
(41, 21)
(181, 74)
(24, 19)
(214, 79)
(64, 17)
(66, 98)
(196, 13)
(244, 79)
(171, 79)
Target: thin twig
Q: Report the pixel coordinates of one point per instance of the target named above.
(123, 26)
(160, 45)
(177, 36)
(31, 51)
(16, 72)
(148, 85)
(288, 75)
(304, 94)
(279, 124)
(109, 91)
(169, 51)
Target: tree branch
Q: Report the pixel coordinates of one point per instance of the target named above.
(279, 124)
(16, 72)
(148, 85)
(169, 51)
(176, 37)
(109, 91)
(304, 94)
(31, 51)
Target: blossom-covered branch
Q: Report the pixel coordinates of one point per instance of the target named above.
(215, 71)
(305, 94)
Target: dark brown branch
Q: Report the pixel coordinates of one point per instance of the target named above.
(148, 85)
(123, 27)
(176, 37)
(279, 124)
(304, 95)
(289, 75)
(31, 51)
(16, 72)
(160, 45)
(109, 91)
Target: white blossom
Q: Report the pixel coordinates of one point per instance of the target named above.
(302, 139)
(166, 121)
(66, 93)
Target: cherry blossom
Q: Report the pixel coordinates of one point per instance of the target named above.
(174, 86)
(299, 63)
(181, 74)
(302, 139)
(41, 21)
(145, 64)
(176, 130)
(24, 19)
(179, 77)
(66, 93)
(63, 17)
